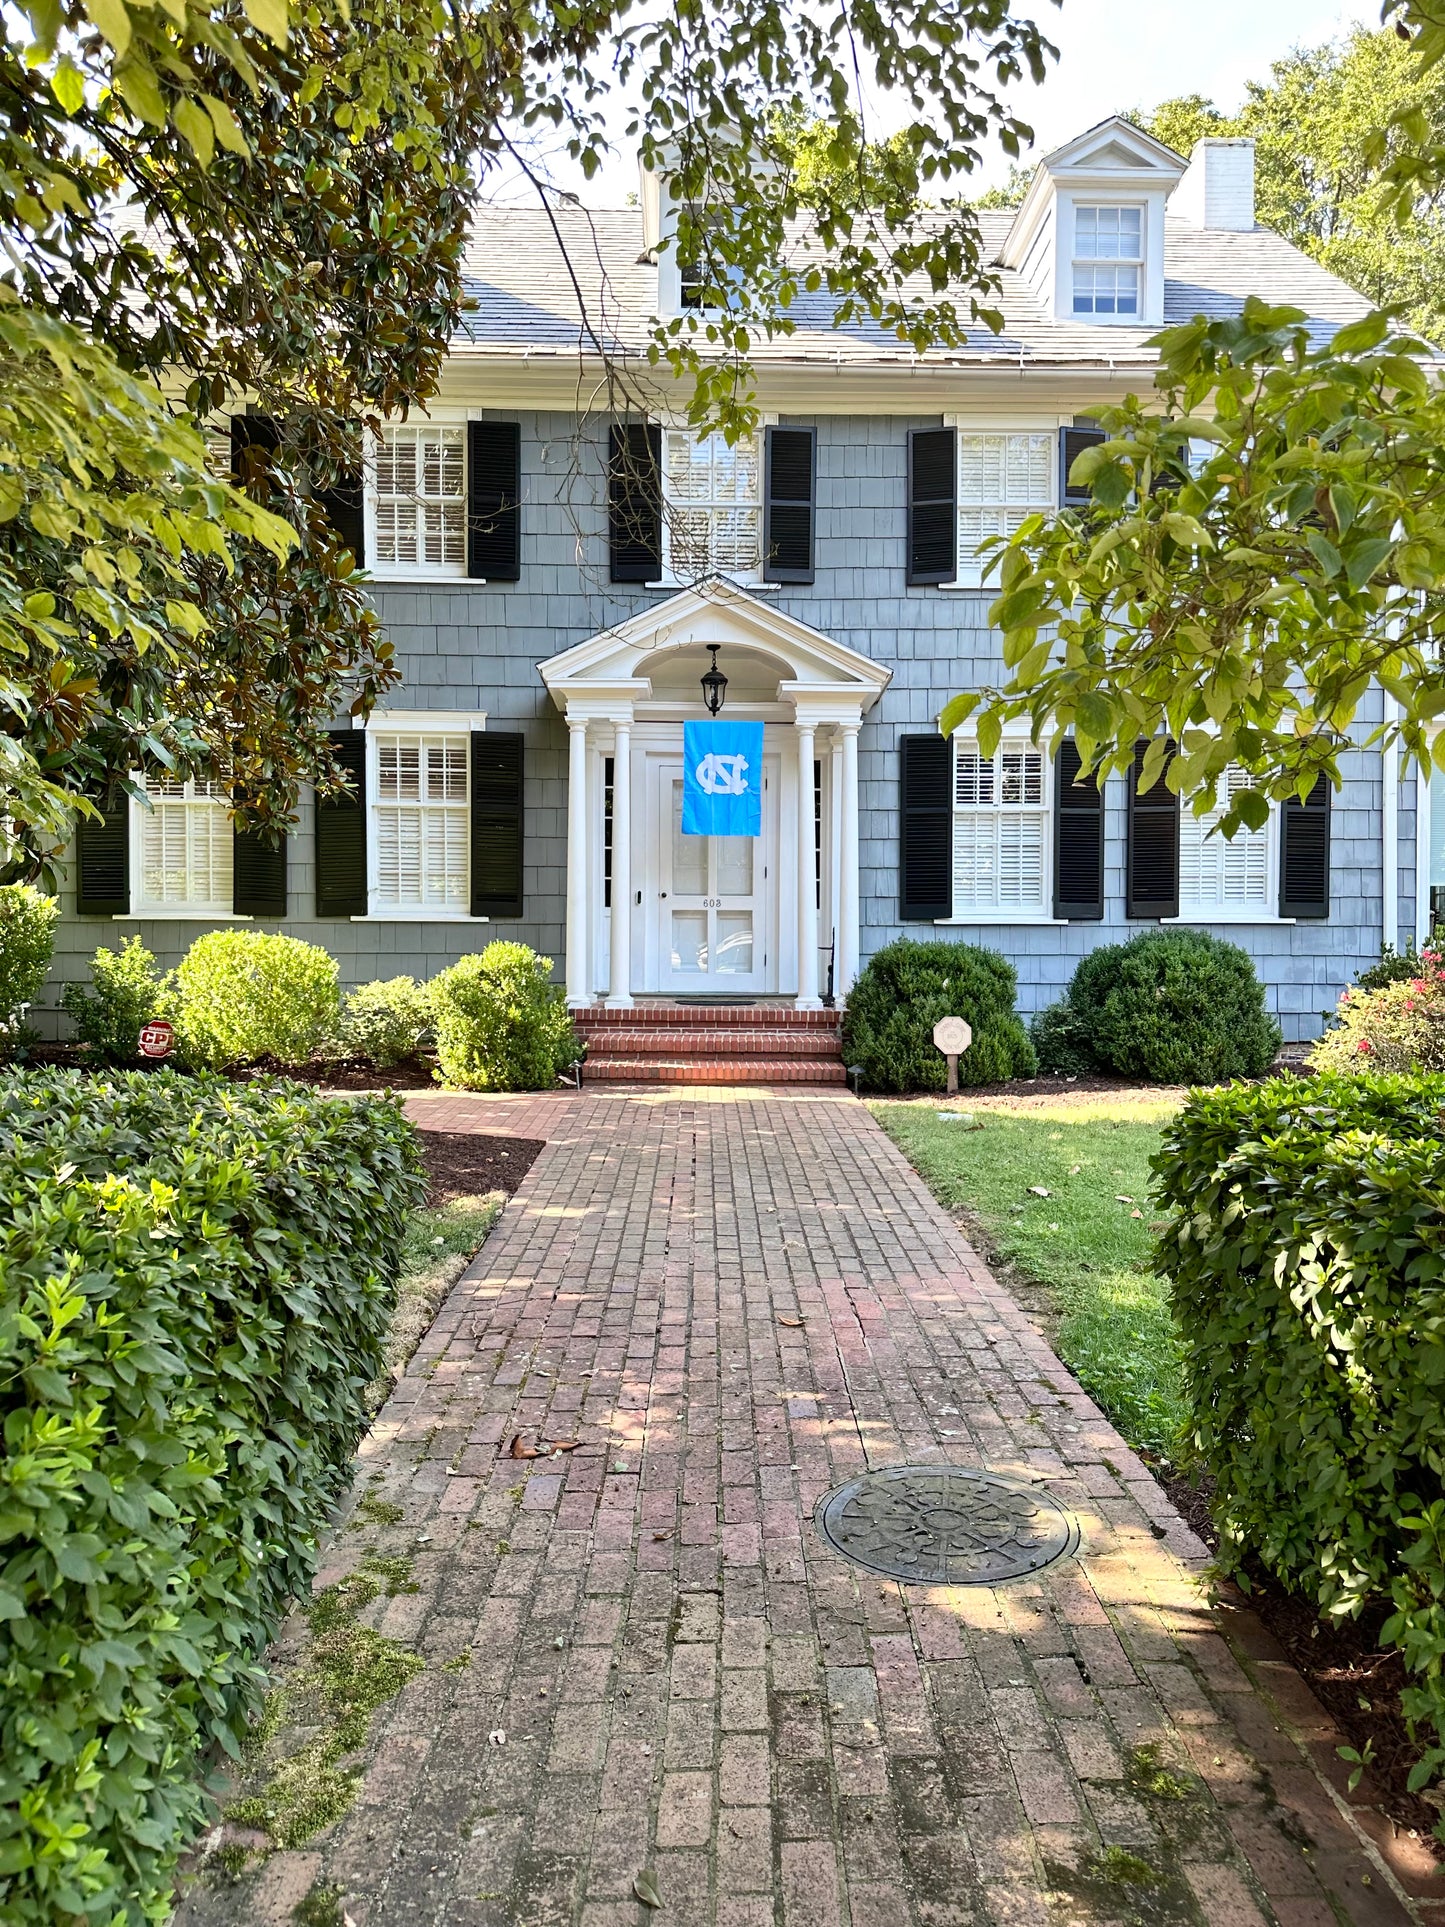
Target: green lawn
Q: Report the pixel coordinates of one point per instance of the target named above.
(1085, 1249)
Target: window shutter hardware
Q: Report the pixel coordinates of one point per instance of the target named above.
(1304, 858)
(932, 506)
(634, 502)
(341, 883)
(1078, 839)
(925, 828)
(258, 876)
(494, 471)
(1153, 857)
(789, 486)
(103, 863)
(498, 842)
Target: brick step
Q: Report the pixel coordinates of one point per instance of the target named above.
(709, 1017)
(637, 1040)
(707, 1070)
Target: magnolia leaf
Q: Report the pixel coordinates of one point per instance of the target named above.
(194, 124)
(1363, 558)
(990, 732)
(1324, 552)
(111, 19)
(227, 127)
(67, 85)
(1356, 336)
(645, 1887)
(136, 84)
(270, 17)
(957, 710)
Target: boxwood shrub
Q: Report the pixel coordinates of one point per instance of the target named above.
(1174, 1006)
(195, 1284)
(900, 995)
(1305, 1250)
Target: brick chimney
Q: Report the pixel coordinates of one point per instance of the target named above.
(1217, 189)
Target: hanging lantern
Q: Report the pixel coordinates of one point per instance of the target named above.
(714, 684)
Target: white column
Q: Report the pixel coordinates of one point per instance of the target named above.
(848, 933)
(619, 994)
(1422, 855)
(835, 857)
(807, 875)
(579, 969)
(1390, 835)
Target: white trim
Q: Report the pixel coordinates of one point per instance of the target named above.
(181, 916)
(185, 911)
(967, 569)
(414, 573)
(1390, 833)
(417, 916)
(984, 922)
(424, 724)
(1015, 743)
(1423, 829)
(1224, 917)
(672, 508)
(426, 719)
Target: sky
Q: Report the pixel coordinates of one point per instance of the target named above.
(1113, 55)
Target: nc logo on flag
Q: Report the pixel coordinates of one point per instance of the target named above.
(722, 779)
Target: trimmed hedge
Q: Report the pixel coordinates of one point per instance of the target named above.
(501, 1023)
(240, 995)
(900, 995)
(1306, 1255)
(1174, 1006)
(196, 1280)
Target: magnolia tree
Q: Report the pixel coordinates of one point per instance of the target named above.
(215, 208)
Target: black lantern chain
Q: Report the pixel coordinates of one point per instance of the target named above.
(714, 684)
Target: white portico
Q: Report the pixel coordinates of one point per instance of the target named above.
(653, 913)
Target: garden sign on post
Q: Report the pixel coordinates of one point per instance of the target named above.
(952, 1036)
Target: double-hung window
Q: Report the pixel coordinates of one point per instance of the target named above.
(421, 499)
(185, 845)
(420, 821)
(1224, 879)
(712, 505)
(1000, 831)
(1002, 479)
(1108, 260)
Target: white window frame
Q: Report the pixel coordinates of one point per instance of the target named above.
(412, 722)
(969, 570)
(974, 915)
(448, 422)
(1139, 262)
(188, 909)
(754, 577)
(1261, 909)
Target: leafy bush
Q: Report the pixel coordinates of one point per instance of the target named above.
(241, 995)
(27, 941)
(1175, 1006)
(1400, 1027)
(501, 1023)
(385, 1021)
(900, 995)
(125, 993)
(1061, 1041)
(195, 1286)
(1395, 966)
(1306, 1255)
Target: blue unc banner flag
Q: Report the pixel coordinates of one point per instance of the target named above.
(722, 779)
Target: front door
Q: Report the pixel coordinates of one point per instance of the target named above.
(711, 916)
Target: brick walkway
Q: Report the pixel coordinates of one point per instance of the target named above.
(687, 1678)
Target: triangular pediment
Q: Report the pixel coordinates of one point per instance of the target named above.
(715, 611)
(1112, 146)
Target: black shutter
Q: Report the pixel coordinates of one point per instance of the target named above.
(497, 833)
(634, 502)
(1152, 888)
(1304, 853)
(494, 493)
(258, 876)
(341, 834)
(343, 505)
(788, 505)
(932, 506)
(1072, 443)
(254, 440)
(103, 863)
(1078, 839)
(926, 828)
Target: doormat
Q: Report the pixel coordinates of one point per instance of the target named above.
(943, 1525)
(726, 1003)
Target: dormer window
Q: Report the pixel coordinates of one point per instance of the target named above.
(1108, 259)
(698, 277)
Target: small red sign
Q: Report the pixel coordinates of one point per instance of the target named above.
(157, 1038)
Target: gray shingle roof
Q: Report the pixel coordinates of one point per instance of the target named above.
(576, 279)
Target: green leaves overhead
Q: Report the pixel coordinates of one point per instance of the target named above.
(1265, 541)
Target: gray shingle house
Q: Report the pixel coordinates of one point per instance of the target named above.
(557, 578)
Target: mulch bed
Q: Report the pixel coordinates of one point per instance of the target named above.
(468, 1164)
(1343, 1665)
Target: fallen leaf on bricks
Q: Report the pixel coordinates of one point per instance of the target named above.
(563, 1445)
(658, 1537)
(792, 1323)
(645, 1887)
(520, 1449)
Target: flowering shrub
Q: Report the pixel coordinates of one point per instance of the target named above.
(1400, 1027)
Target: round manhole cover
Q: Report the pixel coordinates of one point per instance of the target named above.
(941, 1525)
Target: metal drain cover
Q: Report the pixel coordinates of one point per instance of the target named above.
(941, 1525)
